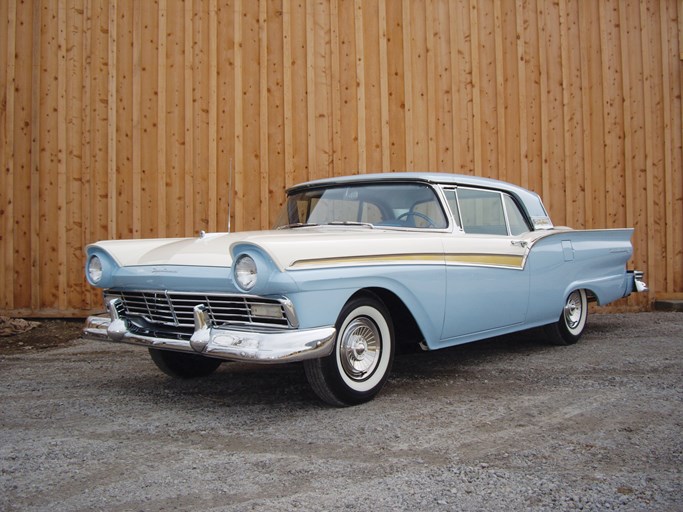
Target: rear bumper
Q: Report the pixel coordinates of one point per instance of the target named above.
(634, 282)
(218, 342)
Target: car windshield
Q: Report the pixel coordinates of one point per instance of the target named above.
(398, 205)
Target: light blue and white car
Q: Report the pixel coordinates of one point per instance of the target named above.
(355, 267)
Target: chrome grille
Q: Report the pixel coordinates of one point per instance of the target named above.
(176, 309)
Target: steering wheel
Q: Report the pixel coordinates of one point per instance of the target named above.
(430, 222)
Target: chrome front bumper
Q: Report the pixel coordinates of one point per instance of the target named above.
(219, 342)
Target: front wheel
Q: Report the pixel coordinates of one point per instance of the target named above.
(184, 366)
(362, 358)
(569, 328)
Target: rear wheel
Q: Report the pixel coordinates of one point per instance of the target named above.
(362, 358)
(569, 328)
(184, 366)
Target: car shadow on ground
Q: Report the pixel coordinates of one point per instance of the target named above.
(235, 384)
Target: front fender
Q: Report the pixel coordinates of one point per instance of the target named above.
(322, 293)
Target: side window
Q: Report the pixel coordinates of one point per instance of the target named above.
(515, 218)
(453, 205)
(482, 212)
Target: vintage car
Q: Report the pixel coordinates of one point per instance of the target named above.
(356, 267)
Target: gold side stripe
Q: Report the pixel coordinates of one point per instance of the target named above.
(498, 260)
(379, 258)
(503, 260)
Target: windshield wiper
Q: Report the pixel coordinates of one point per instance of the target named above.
(298, 225)
(350, 223)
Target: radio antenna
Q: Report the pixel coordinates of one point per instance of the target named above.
(230, 195)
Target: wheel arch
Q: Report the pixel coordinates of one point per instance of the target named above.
(593, 294)
(407, 331)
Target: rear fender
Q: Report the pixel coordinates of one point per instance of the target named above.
(564, 261)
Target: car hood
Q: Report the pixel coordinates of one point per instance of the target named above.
(287, 248)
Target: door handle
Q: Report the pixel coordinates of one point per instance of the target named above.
(519, 243)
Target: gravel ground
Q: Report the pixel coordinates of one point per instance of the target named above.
(507, 424)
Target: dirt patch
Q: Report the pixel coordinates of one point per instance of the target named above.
(47, 335)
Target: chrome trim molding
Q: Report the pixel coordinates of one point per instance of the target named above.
(218, 342)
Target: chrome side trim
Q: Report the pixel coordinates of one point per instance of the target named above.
(228, 344)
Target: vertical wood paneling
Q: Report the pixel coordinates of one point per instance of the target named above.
(7, 161)
(372, 86)
(420, 87)
(251, 159)
(146, 87)
(395, 83)
(476, 88)
(76, 226)
(371, 71)
(121, 101)
(675, 252)
(287, 94)
(161, 121)
(651, 158)
(385, 144)
(360, 86)
(174, 71)
(552, 146)
(430, 89)
(275, 100)
(36, 215)
(62, 198)
(572, 115)
(672, 145)
(212, 182)
(486, 96)
(462, 85)
(408, 85)
(199, 127)
(443, 100)
(225, 117)
(299, 99)
(112, 146)
(120, 118)
(501, 170)
(523, 102)
(349, 146)
(188, 168)
(612, 99)
(533, 105)
(312, 134)
(136, 153)
(335, 79)
(263, 108)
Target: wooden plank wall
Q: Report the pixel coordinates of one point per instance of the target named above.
(122, 118)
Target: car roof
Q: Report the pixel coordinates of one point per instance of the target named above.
(431, 177)
(531, 201)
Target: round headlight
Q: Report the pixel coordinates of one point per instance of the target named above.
(245, 272)
(95, 269)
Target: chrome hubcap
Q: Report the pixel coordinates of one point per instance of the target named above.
(573, 310)
(360, 348)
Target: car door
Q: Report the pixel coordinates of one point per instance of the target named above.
(487, 286)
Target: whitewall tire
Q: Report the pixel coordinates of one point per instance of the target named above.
(572, 322)
(362, 358)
